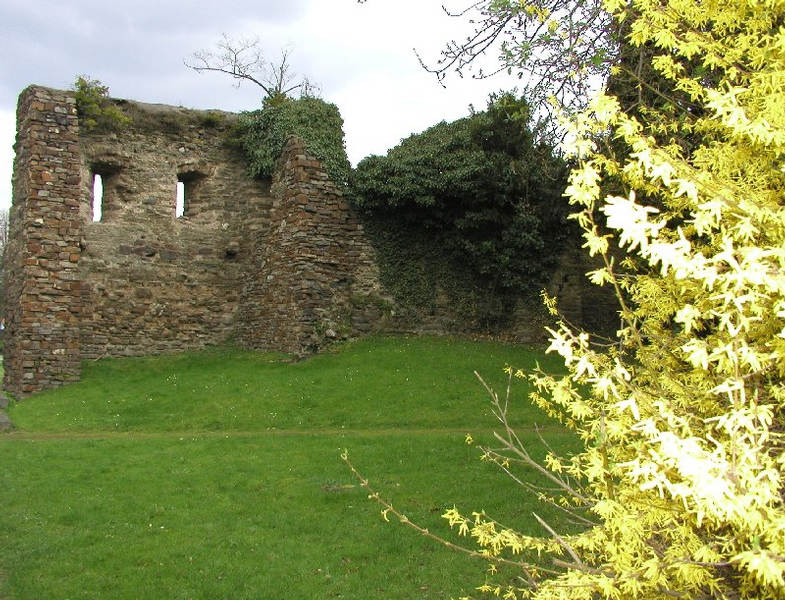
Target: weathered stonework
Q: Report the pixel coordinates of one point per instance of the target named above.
(153, 282)
(580, 302)
(309, 265)
(44, 304)
(269, 266)
(282, 264)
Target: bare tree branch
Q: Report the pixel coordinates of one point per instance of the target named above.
(560, 49)
(243, 60)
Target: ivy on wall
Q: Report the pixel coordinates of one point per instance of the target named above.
(318, 123)
(425, 280)
(468, 213)
(472, 208)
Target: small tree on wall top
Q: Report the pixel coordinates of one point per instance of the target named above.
(94, 107)
(680, 483)
(263, 132)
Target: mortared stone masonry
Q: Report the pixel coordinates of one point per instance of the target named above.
(271, 265)
(44, 304)
(280, 264)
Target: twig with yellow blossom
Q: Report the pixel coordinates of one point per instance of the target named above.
(388, 509)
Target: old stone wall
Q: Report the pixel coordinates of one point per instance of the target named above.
(154, 281)
(582, 303)
(43, 286)
(281, 264)
(314, 270)
(268, 267)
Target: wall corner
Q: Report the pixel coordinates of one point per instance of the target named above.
(42, 281)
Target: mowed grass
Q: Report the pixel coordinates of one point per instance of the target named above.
(217, 474)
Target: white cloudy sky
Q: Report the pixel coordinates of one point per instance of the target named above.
(360, 54)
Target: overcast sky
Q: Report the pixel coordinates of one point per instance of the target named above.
(361, 55)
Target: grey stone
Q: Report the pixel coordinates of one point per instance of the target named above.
(5, 422)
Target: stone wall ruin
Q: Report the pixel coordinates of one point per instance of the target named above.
(267, 264)
(280, 264)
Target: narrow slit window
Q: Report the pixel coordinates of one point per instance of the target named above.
(179, 204)
(98, 197)
(189, 196)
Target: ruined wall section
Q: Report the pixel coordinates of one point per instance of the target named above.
(155, 282)
(42, 281)
(141, 280)
(282, 268)
(315, 277)
(280, 265)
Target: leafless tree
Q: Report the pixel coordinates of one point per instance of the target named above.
(557, 45)
(559, 50)
(243, 60)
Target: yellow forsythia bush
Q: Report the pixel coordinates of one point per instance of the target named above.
(680, 484)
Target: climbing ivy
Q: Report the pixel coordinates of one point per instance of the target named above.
(319, 123)
(424, 279)
(480, 193)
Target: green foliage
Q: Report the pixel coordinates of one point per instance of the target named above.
(94, 107)
(211, 119)
(317, 122)
(680, 481)
(479, 189)
(417, 272)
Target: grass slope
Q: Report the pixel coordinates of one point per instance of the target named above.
(216, 475)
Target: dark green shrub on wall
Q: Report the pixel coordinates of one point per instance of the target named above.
(480, 192)
(317, 122)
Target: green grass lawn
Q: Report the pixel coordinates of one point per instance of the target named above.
(217, 474)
